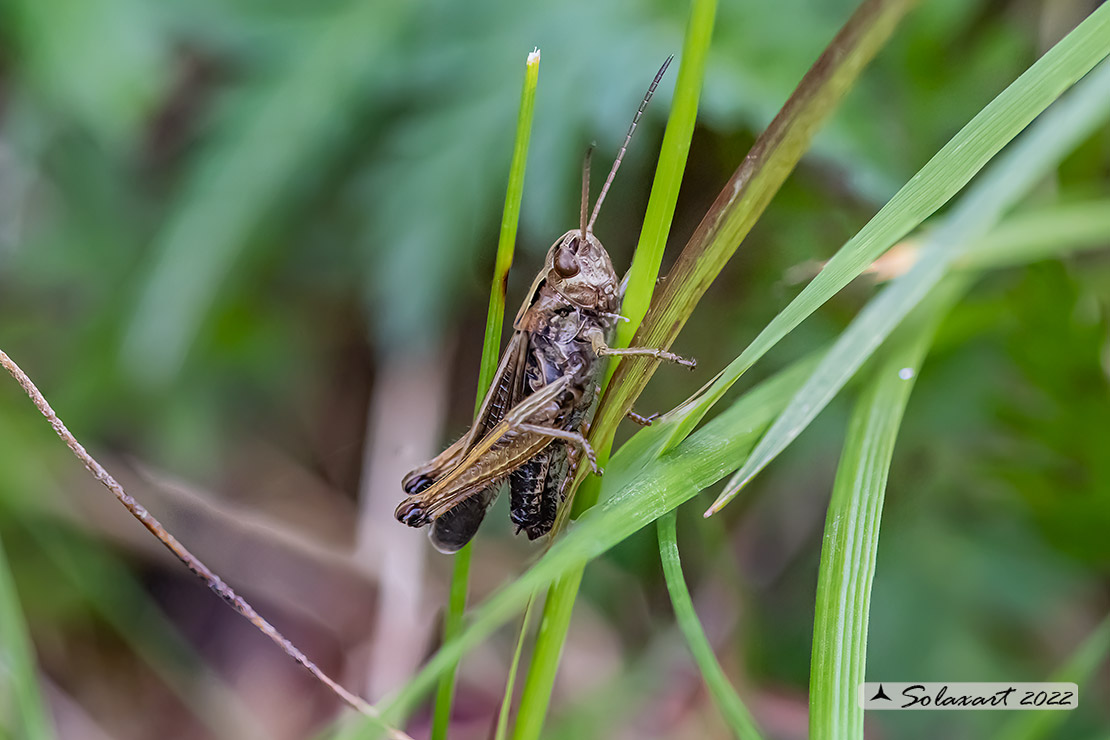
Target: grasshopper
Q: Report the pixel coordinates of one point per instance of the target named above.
(530, 429)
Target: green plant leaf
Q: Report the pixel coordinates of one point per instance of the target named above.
(1040, 234)
(491, 350)
(729, 704)
(851, 538)
(17, 664)
(933, 186)
(252, 167)
(559, 604)
(642, 493)
(747, 195)
(1034, 155)
(1079, 669)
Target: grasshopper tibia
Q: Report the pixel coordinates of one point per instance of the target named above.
(601, 348)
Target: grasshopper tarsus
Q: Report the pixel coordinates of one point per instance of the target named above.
(644, 421)
(412, 514)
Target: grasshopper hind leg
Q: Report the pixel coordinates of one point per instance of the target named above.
(458, 525)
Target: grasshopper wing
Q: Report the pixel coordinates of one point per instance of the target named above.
(488, 462)
(504, 393)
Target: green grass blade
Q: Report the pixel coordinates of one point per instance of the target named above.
(1080, 668)
(17, 664)
(851, 537)
(510, 682)
(510, 220)
(1042, 234)
(748, 192)
(559, 604)
(668, 172)
(1033, 156)
(728, 703)
(933, 186)
(279, 130)
(491, 350)
(644, 271)
(557, 611)
(643, 490)
(452, 626)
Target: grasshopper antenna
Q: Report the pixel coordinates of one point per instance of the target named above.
(627, 139)
(585, 191)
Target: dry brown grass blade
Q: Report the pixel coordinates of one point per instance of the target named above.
(211, 579)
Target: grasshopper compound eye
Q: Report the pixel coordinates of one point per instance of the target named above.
(566, 264)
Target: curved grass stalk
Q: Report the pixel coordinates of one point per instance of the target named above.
(728, 702)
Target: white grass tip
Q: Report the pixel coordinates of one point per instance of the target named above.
(534, 57)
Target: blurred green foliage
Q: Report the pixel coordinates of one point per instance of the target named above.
(217, 217)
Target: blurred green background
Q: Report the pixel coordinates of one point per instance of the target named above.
(245, 250)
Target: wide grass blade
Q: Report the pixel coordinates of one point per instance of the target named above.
(1033, 156)
(643, 490)
(559, 604)
(933, 186)
(17, 665)
(747, 195)
(729, 704)
(491, 350)
(1041, 234)
(851, 537)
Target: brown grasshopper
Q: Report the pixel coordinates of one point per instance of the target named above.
(530, 429)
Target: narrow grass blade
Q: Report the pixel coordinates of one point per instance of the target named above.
(668, 172)
(510, 220)
(641, 494)
(510, 682)
(851, 538)
(1042, 234)
(559, 604)
(933, 186)
(277, 132)
(491, 350)
(1034, 155)
(1080, 668)
(729, 704)
(17, 664)
(747, 194)
(536, 697)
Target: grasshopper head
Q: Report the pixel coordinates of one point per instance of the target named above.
(579, 269)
